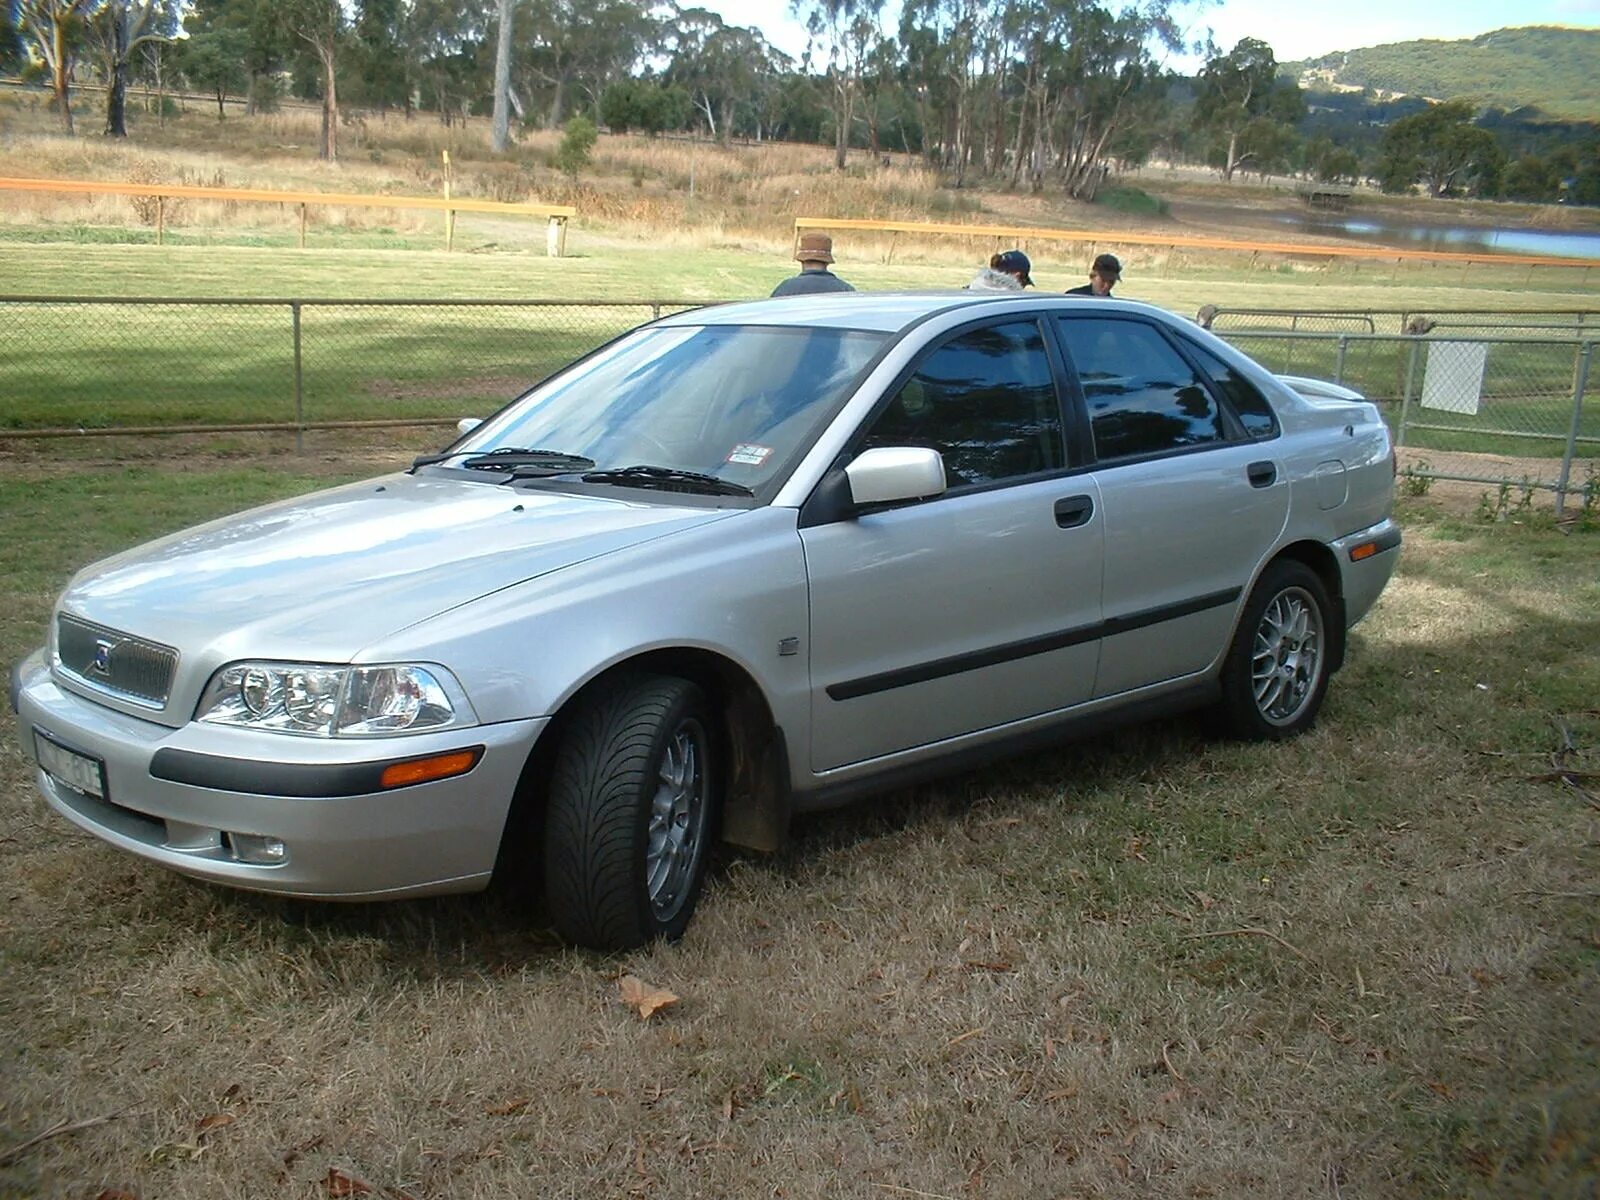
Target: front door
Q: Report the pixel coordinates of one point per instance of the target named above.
(973, 609)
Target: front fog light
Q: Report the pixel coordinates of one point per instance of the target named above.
(254, 848)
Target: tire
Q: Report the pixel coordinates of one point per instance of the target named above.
(631, 813)
(1276, 673)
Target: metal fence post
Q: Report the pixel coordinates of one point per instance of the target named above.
(1580, 380)
(1338, 362)
(1405, 395)
(299, 393)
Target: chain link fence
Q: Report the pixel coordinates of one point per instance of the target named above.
(1486, 397)
(1508, 412)
(77, 365)
(1478, 321)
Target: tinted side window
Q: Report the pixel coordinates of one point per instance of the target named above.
(1255, 413)
(986, 401)
(1143, 397)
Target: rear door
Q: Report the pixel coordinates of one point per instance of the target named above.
(970, 610)
(1193, 498)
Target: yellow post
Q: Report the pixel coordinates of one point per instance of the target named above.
(449, 213)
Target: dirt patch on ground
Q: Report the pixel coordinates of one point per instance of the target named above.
(1523, 477)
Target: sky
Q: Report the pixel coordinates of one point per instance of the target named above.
(1293, 30)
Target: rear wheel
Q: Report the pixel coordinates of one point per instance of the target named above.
(631, 813)
(1276, 673)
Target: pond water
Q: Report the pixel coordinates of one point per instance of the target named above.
(1460, 239)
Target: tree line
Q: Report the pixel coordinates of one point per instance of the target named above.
(1041, 95)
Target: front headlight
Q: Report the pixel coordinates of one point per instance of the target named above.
(325, 701)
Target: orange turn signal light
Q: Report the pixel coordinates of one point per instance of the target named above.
(1364, 550)
(426, 770)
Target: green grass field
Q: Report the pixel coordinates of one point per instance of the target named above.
(99, 366)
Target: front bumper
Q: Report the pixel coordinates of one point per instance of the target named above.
(428, 838)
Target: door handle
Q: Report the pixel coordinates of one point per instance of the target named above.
(1262, 474)
(1074, 511)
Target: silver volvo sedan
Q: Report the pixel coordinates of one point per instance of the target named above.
(738, 563)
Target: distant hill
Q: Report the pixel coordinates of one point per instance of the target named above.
(1553, 69)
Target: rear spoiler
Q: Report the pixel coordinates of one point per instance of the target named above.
(1318, 389)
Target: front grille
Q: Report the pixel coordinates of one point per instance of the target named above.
(115, 662)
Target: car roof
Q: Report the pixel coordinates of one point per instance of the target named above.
(888, 312)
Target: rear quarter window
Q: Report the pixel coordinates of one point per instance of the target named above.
(1252, 408)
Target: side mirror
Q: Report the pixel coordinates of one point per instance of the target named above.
(468, 424)
(893, 473)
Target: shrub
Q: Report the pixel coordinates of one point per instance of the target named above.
(577, 143)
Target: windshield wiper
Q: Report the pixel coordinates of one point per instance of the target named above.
(668, 479)
(509, 458)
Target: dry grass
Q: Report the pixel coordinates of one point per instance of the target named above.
(1153, 965)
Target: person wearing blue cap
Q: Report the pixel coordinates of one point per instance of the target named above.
(1006, 272)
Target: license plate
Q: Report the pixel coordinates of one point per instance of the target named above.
(81, 772)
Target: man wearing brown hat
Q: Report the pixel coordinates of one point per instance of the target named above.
(1103, 277)
(814, 255)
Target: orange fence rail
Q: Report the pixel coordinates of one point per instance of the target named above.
(1020, 233)
(556, 214)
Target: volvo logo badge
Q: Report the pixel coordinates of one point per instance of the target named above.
(100, 664)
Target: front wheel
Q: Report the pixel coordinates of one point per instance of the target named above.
(631, 813)
(1276, 672)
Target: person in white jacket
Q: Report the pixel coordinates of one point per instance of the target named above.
(1006, 272)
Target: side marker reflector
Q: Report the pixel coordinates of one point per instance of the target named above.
(425, 770)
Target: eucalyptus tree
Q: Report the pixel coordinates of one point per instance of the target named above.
(1104, 81)
(725, 69)
(501, 124)
(841, 35)
(950, 48)
(234, 45)
(566, 46)
(55, 30)
(379, 52)
(440, 41)
(1241, 97)
(319, 27)
(119, 28)
(11, 51)
(214, 56)
(1442, 149)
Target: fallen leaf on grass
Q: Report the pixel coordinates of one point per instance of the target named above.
(115, 1194)
(214, 1121)
(172, 1151)
(998, 968)
(339, 1184)
(639, 995)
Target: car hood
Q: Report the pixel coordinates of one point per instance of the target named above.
(321, 576)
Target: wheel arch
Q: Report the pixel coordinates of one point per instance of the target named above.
(1322, 562)
(755, 768)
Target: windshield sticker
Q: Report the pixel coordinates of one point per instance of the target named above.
(748, 454)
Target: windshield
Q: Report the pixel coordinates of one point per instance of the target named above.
(736, 402)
